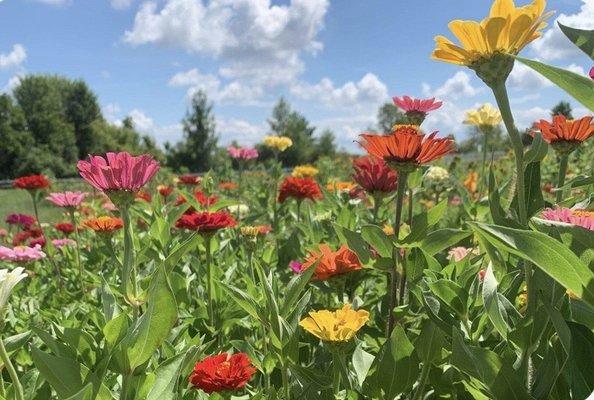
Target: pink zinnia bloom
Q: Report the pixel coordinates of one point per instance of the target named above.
(459, 253)
(118, 171)
(23, 220)
(59, 243)
(295, 266)
(242, 153)
(408, 104)
(21, 254)
(455, 201)
(592, 73)
(67, 199)
(584, 219)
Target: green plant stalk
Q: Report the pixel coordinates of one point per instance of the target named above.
(298, 211)
(562, 173)
(392, 292)
(126, 385)
(239, 186)
(377, 202)
(77, 250)
(418, 395)
(129, 284)
(209, 278)
(285, 379)
(16, 383)
(336, 374)
(50, 252)
(485, 132)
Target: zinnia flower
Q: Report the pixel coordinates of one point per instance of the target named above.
(506, 31)
(584, 219)
(60, 243)
(406, 148)
(67, 199)
(190, 180)
(118, 171)
(204, 200)
(295, 266)
(304, 171)
(437, 175)
(373, 175)
(21, 254)
(330, 263)
(222, 372)
(104, 224)
(227, 186)
(339, 187)
(8, 280)
(592, 73)
(65, 227)
(31, 182)
(242, 153)
(23, 220)
(471, 182)
(164, 190)
(335, 326)
(486, 115)
(299, 189)
(563, 134)
(240, 210)
(416, 109)
(206, 222)
(280, 143)
(255, 231)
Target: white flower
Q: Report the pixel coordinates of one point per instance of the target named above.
(240, 209)
(436, 175)
(8, 281)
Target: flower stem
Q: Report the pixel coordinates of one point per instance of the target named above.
(422, 381)
(392, 292)
(482, 179)
(285, 378)
(128, 288)
(16, 384)
(77, 250)
(562, 172)
(209, 277)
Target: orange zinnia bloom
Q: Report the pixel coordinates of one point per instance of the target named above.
(104, 224)
(471, 182)
(330, 263)
(564, 130)
(406, 145)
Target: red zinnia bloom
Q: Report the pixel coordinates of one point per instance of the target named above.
(406, 145)
(222, 372)
(142, 195)
(227, 186)
(563, 130)
(31, 182)
(205, 201)
(25, 221)
(65, 227)
(206, 221)
(165, 191)
(299, 189)
(373, 175)
(191, 180)
(330, 263)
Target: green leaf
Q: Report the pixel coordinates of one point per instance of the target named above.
(495, 309)
(14, 343)
(581, 38)
(362, 362)
(164, 387)
(63, 374)
(579, 87)
(153, 327)
(354, 241)
(441, 239)
(423, 221)
(430, 342)
(454, 296)
(85, 393)
(115, 330)
(294, 290)
(551, 256)
(537, 151)
(244, 300)
(579, 372)
(376, 237)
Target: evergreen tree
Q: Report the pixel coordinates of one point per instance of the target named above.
(389, 115)
(82, 109)
(562, 108)
(325, 145)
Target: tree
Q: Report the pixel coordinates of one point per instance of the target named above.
(562, 108)
(82, 109)
(389, 115)
(196, 150)
(16, 140)
(325, 145)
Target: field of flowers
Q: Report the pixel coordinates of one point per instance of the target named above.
(406, 273)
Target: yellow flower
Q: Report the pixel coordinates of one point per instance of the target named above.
(507, 30)
(411, 126)
(487, 115)
(280, 143)
(335, 326)
(388, 230)
(305, 171)
(339, 187)
(471, 182)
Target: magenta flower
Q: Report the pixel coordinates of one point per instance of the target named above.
(242, 153)
(59, 243)
(23, 220)
(582, 218)
(295, 266)
(408, 104)
(118, 171)
(67, 199)
(592, 73)
(21, 254)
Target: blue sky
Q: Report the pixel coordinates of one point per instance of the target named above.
(335, 61)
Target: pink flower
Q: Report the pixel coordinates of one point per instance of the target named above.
(59, 243)
(118, 171)
(295, 266)
(582, 218)
(23, 220)
(455, 201)
(592, 73)
(408, 104)
(21, 254)
(67, 199)
(242, 153)
(459, 253)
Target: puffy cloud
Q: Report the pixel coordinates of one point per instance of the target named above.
(254, 39)
(368, 92)
(347, 129)
(523, 77)
(456, 87)
(243, 132)
(111, 112)
(15, 58)
(554, 45)
(526, 117)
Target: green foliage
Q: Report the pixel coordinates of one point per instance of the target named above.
(389, 115)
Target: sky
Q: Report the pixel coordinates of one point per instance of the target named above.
(335, 61)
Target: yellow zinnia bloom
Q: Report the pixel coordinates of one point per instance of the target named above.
(280, 143)
(305, 171)
(487, 115)
(335, 326)
(340, 187)
(507, 30)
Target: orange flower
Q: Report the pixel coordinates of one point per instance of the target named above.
(471, 182)
(104, 224)
(340, 187)
(330, 263)
(227, 186)
(406, 146)
(563, 130)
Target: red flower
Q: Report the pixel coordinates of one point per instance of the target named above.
(191, 180)
(407, 145)
(373, 175)
(65, 227)
(227, 186)
(206, 221)
(32, 182)
(299, 189)
(205, 201)
(222, 372)
(330, 263)
(563, 130)
(145, 196)
(165, 191)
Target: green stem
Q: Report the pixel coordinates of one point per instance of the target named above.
(484, 164)
(422, 381)
(210, 279)
(285, 378)
(377, 202)
(126, 385)
(129, 284)
(562, 172)
(298, 211)
(16, 384)
(77, 250)
(392, 292)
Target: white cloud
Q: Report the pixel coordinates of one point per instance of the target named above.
(11, 84)
(368, 92)
(121, 4)
(141, 121)
(254, 39)
(457, 87)
(523, 77)
(243, 132)
(111, 112)
(347, 129)
(15, 58)
(578, 69)
(525, 118)
(554, 45)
